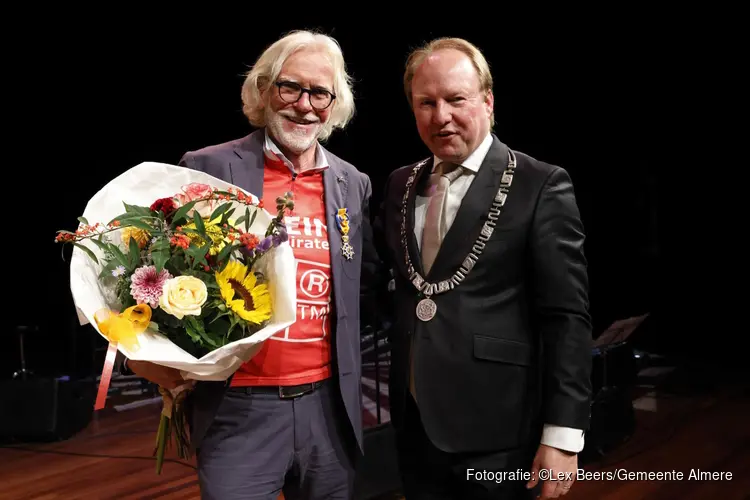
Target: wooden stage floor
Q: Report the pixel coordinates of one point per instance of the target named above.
(697, 423)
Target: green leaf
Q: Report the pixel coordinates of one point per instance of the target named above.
(228, 248)
(252, 219)
(160, 244)
(176, 264)
(101, 244)
(160, 256)
(226, 216)
(196, 329)
(198, 326)
(182, 212)
(221, 315)
(119, 256)
(83, 220)
(232, 324)
(119, 218)
(220, 210)
(137, 210)
(223, 264)
(194, 335)
(107, 270)
(218, 328)
(134, 254)
(198, 254)
(133, 222)
(127, 219)
(199, 224)
(88, 251)
(247, 219)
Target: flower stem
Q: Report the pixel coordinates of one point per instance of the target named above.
(161, 442)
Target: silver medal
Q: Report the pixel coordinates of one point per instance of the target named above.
(426, 309)
(348, 251)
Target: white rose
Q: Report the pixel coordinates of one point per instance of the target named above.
(204, 208)
(183, 296)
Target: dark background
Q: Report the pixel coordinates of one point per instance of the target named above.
(99, 100)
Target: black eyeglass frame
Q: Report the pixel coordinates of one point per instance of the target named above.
(302, 90)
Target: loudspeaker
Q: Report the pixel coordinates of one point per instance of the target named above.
(44, 409)
(612, 423)
(614, 372)
(613, 366)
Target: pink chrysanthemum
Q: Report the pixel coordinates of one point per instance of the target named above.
(146, 285)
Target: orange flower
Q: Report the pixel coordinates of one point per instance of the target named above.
(180, 240)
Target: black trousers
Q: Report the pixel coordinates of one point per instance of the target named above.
(260, 445)
(428, 473)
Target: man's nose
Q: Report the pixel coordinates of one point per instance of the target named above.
(442, 114)
(303, 103)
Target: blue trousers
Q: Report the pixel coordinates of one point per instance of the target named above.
(260, 444)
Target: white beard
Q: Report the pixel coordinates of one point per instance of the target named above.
(296, 141)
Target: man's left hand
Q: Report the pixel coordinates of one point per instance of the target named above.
(558, 469)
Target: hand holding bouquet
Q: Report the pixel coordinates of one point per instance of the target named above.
(193, 275)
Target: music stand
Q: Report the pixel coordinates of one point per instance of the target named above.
(619, 331)
(23, 373)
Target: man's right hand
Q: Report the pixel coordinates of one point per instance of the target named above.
(164, 376)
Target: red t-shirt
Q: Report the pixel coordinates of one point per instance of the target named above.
(302, 352)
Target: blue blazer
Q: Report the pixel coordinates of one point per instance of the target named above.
(240, 162)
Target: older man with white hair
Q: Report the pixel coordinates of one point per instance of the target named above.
(290, 419)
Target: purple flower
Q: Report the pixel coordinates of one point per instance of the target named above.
(280, 237)
(265, 244)
(249, 254)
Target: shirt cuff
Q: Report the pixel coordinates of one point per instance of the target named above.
(564, 438)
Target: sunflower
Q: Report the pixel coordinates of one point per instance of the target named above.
(242, 294)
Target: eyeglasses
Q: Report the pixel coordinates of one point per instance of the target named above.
(291, 92)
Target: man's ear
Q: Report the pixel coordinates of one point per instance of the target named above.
(263, 89)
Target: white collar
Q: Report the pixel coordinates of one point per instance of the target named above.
(475, 159)
(269, 146)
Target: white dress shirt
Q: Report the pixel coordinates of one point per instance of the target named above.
(564, 438)
(270, 148)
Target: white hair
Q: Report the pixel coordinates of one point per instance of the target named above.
(267, 69)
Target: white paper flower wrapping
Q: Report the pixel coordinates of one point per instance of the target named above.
(142, 185)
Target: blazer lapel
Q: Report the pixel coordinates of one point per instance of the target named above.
(423, 175)
(248, 172)
(336, 185)
(472, 212)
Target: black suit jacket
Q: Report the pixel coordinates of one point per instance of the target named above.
(510, 347)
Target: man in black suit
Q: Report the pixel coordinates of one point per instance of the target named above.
(490, 376)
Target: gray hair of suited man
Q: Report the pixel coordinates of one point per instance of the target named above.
(266, 70)
(418, 55)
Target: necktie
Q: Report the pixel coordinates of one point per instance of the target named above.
(435, 226)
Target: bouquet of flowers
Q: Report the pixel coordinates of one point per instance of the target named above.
(194, 274)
